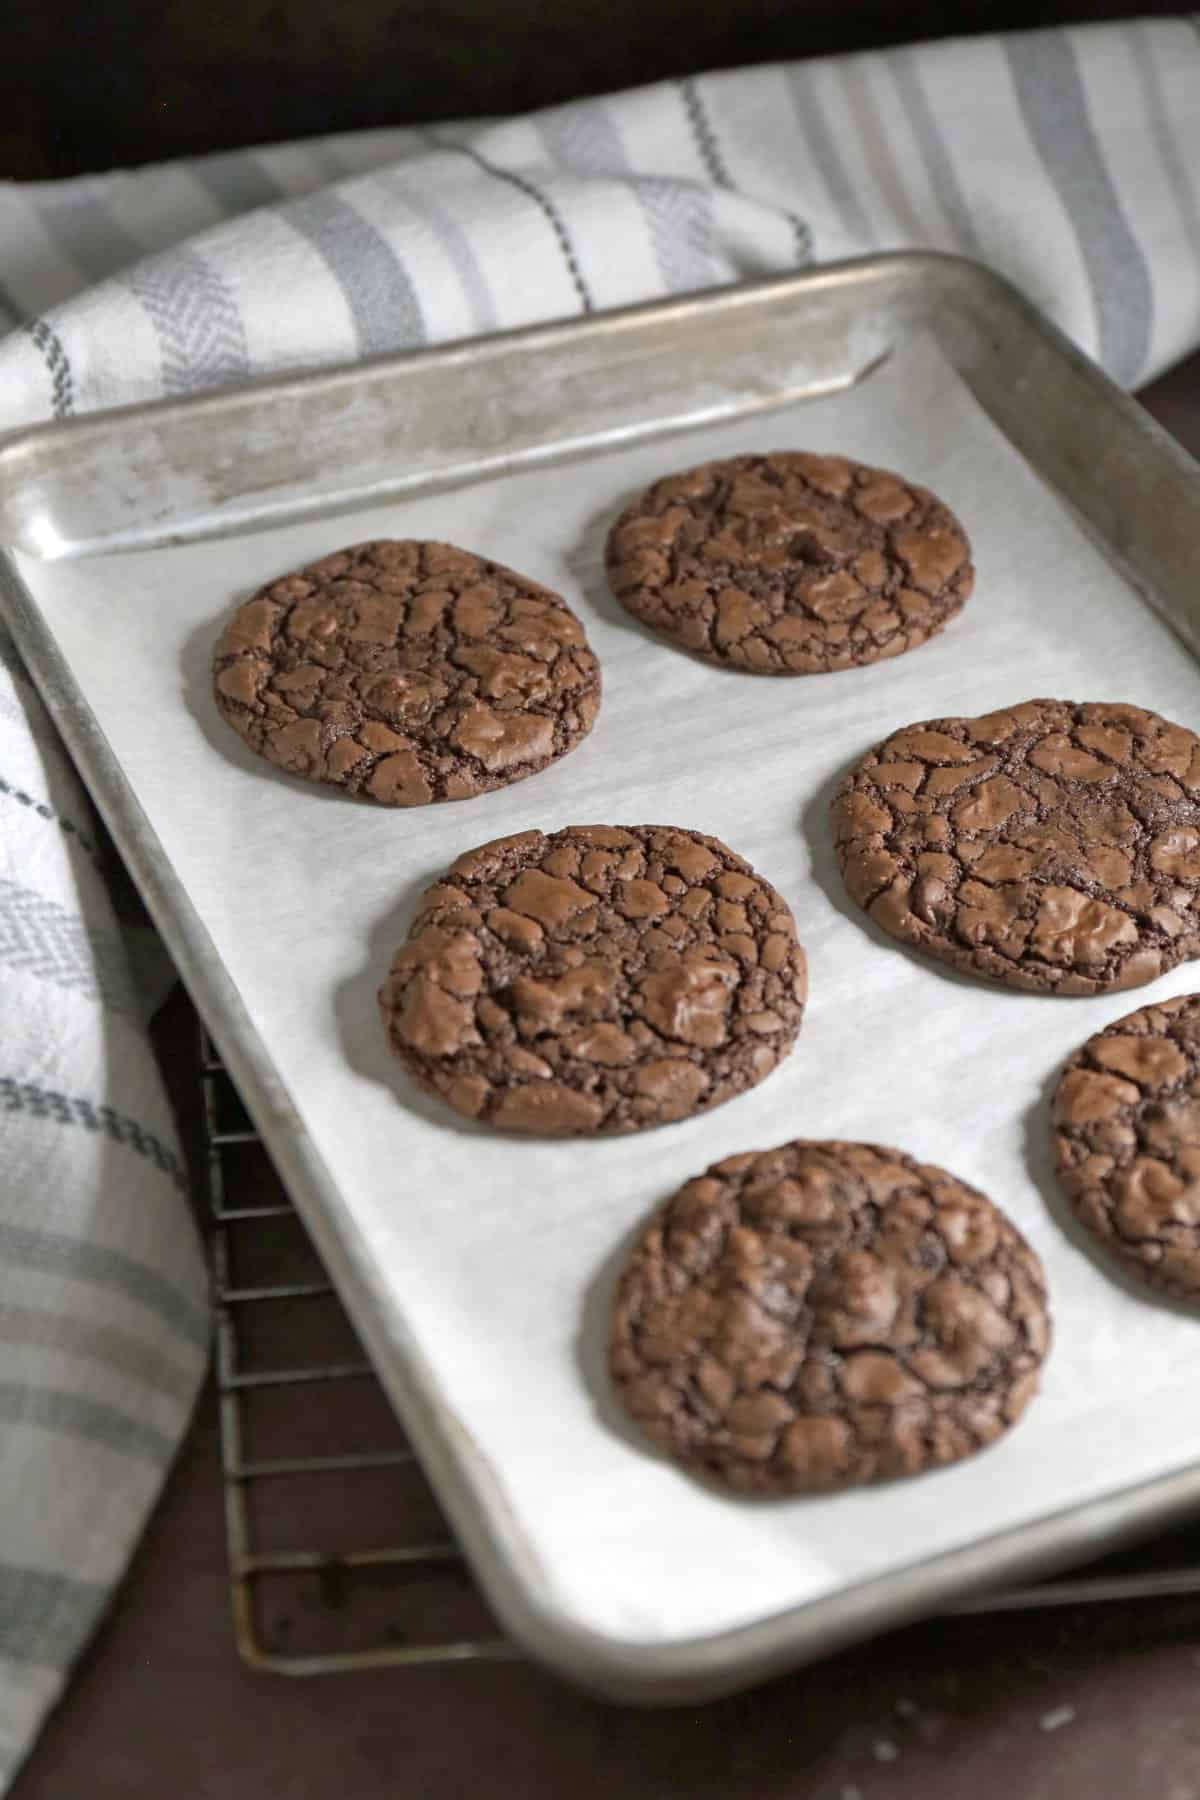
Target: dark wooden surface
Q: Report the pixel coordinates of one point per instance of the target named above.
(1081, 1704)
(1041, 1707)
(91, 84)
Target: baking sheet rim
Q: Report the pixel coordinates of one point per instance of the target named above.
(507, 1563)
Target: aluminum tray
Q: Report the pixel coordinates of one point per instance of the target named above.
(281, 451)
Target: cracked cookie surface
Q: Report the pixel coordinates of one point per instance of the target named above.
(407, 672)
(1051, 846)
(595, 979)
(790, 564)
(827, 1314)
(1126, 1117)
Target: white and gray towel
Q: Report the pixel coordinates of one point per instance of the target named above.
(103, 1321)
(1069, 160)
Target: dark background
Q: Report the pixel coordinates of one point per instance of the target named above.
(92, 84)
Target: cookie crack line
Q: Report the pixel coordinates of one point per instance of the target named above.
(595, 979)
(1126, 1140)
(790, 563)
(738, 974)
(1053, 845)
(783, 1324)
(407, 672)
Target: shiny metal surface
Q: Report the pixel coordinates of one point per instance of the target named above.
(280, 450)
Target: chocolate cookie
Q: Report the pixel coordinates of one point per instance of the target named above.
(1051, 846)
(1127, 1141)
(595, 980)
(790, 564)
(407, 672)
(827, 1314)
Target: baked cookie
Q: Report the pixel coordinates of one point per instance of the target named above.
(1126, 1119)
(790, 564)
(407, 672)
(827, 1314)
(595, 979)
(1051, 846)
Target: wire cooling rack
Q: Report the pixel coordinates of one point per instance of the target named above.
(338, 1556)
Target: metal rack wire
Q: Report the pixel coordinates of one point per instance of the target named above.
(311, 1451)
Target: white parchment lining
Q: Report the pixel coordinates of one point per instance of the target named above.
(498, 1252)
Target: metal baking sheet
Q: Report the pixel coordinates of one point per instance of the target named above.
(478, 1268)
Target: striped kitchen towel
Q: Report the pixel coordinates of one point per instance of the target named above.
(1069, 160)
(103, 1321)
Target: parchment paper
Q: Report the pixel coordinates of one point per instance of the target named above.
(499, 1253)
